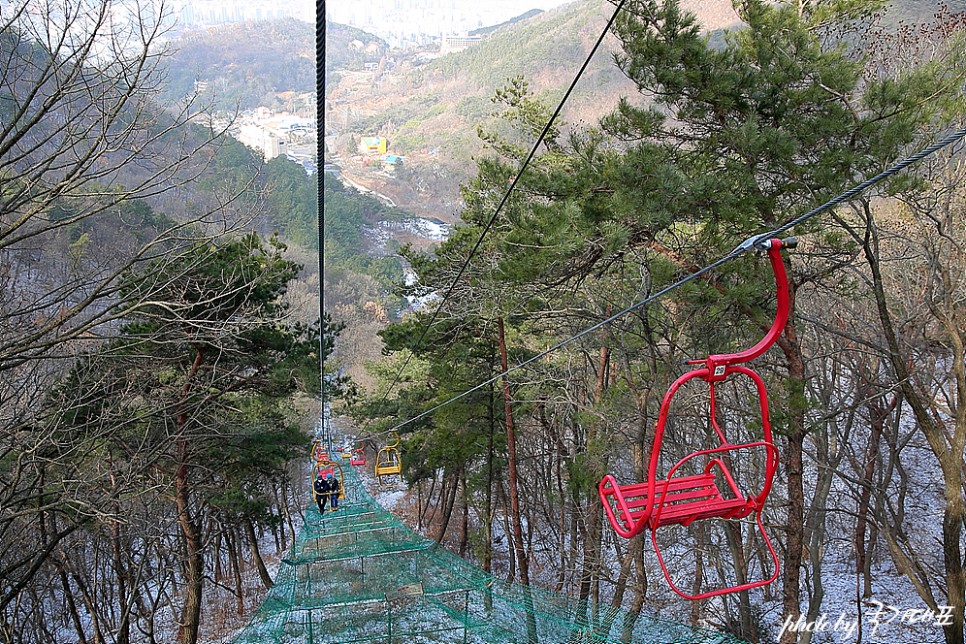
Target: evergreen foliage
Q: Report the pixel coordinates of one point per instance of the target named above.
(194, 392)
(724, 138)
(347, 212)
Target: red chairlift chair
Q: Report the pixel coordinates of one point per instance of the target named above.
(319, 451)
(714, 493)
(324, 467)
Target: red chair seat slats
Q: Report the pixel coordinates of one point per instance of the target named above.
(682, 500)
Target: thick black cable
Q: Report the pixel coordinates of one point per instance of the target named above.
(506, 197)
(320, 33)
(739, 250)
(868, 183)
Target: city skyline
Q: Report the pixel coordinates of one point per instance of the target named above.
(402, 22)
(193, 13)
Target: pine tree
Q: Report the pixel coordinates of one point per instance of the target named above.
(193, 382)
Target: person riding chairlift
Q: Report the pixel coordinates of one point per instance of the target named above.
(334, 489)
(321, 489)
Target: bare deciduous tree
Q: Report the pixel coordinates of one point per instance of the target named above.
(84, 152)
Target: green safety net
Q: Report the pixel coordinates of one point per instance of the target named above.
(361, 575)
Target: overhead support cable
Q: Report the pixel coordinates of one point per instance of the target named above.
(739, 250)
(506, 196)
(320, 33)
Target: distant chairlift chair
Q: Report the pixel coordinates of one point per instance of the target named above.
(320, 451)
(358, 456)
(713, 493)
(389, 460)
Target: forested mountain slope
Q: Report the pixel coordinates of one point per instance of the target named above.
(719, 139)
(151, 366)
(244, 65)
(431, 111)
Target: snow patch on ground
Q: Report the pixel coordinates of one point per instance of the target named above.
(421, 301)
(379, 235)
(389, 499)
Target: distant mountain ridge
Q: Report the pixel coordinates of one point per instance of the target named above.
(431, 112)
(430, 109)
(245, 64)
(482, 31)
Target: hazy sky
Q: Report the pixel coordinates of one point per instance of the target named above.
(545, 4)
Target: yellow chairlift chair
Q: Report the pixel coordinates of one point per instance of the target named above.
(389, 460)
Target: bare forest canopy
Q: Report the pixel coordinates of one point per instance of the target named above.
(276, 196)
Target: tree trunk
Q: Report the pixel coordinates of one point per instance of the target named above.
(440, 502)
(701, 538)
(194, 561)
(424, 519)
(636, 545)
(91, 604)
(69, 599)
(511, 442)
(234, 562)
(877, 414)
(749, 630)
(829, 453)
(190, 530)
(590, 568)
(124, 625)
(282, 539)
(794, 536)
(286, 509)
(953, 558)
(219, 567)
(508, 531)
(449, 501)
(278, 535)
(950, 456)
(257, 555)
(488, 499)
(465, 522)
(148, 612)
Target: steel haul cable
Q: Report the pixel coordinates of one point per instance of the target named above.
(320, 34)
(739, 250)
